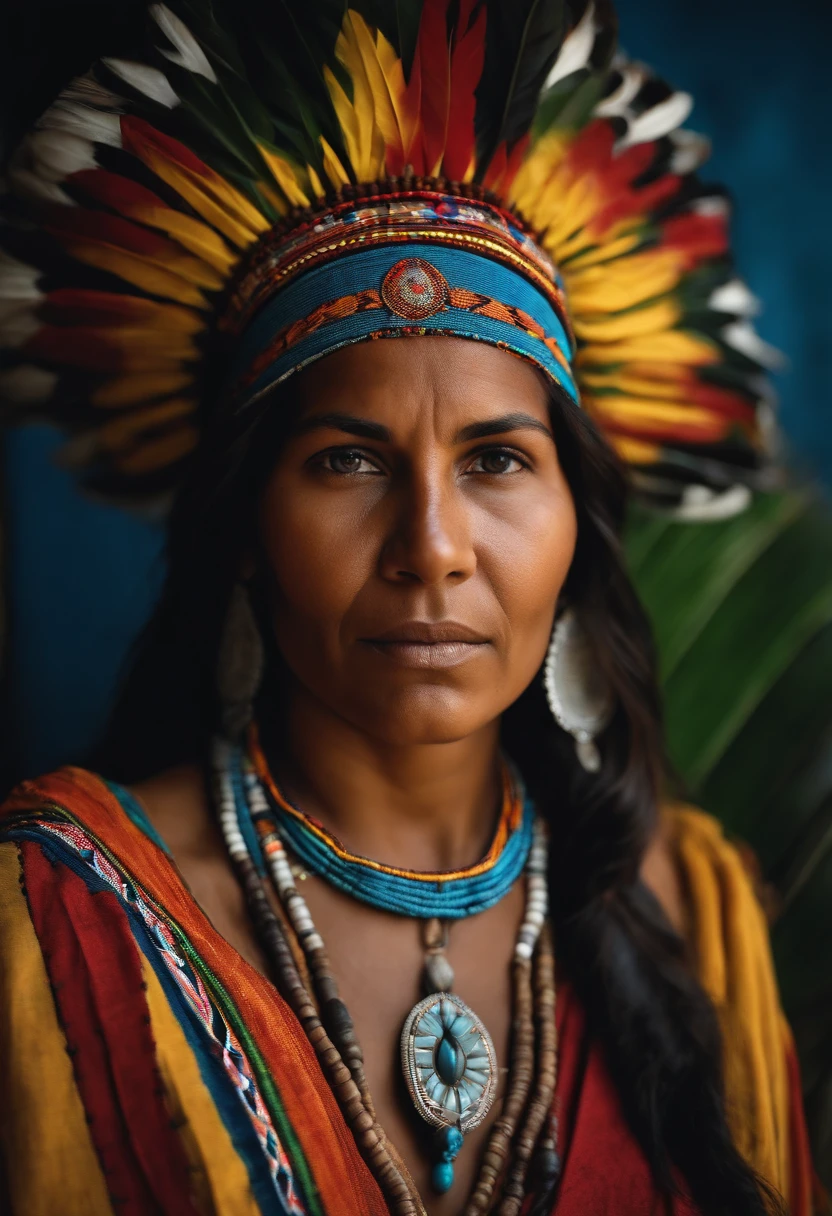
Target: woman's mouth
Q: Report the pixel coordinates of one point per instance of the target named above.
(431, 645)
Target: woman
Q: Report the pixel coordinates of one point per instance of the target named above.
(388, 916)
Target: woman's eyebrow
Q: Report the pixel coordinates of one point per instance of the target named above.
(499, 426)
(365, 429)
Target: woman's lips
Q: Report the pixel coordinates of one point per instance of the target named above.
(435, 655)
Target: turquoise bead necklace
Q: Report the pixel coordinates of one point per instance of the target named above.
(447, 1056)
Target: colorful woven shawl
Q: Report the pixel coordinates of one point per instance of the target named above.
(146, 1067)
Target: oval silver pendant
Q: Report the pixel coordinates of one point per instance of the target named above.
(449, 1062)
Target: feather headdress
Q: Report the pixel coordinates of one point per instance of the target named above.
(231, 185)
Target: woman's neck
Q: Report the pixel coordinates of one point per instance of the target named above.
(429, 807)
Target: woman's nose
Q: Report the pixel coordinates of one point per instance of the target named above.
(430, 538)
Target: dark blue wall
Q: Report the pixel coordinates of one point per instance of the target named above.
(80, 579)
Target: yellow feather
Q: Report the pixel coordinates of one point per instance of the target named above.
(393, 72)
(212, 198)
(123, 430)
(347, 118)
(278, 201)
(142, 386)
(315, 183)
(533, 175)
(667, 346)
(161, 452)
(370, 141)
(673, 386)
(655, 318)
(625, 283)
(384, 111)
(136, 269)
(632, 412)
(285, 176)
(332, 166)
(575, 254)
(634, 451)
(573, 202)
(191, 234)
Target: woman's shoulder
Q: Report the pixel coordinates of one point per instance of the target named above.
(73, 799)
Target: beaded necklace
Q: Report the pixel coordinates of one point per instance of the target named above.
(447, 1056)
(449, 895)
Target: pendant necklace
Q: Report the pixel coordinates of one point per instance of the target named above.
(447, 1055)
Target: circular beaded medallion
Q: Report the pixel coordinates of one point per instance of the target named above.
(449, 1062)
(415, 289)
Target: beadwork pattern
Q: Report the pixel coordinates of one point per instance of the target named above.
(449, 1062)
(448, 895)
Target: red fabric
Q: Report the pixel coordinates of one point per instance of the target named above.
(604, 1172)
(801, 1179)
(343, 1179)
(94, 969)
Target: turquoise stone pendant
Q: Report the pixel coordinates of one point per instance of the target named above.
(450, 1069)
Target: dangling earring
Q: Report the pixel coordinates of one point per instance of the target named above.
(239, 663)
(578, 696)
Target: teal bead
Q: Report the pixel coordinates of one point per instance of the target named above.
(452, 1139)
(450, 1061)
(442, 1177)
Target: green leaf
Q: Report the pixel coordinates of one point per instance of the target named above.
(742, 614)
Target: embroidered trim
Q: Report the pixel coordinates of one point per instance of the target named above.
(223, 1043)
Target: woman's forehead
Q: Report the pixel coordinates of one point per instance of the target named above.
(445, 379)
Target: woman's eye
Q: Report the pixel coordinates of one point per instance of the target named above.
(347, 461)
(497, 461)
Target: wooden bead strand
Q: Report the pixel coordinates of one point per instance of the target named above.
(516, 1135)
(369, 1136)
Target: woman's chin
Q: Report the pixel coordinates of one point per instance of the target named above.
(428, 714)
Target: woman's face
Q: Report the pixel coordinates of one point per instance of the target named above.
(418, 529)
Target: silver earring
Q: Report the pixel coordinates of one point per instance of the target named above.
(578, 696)
(239, 663)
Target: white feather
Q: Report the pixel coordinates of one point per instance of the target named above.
(735, 297)
(618, 101)
(576, 49)
(100, 126)
(54, 155)
(17, 280)
(29, 185)
(700, 504)
(659, 120)
(149, 81)
(87, 91)
(741, 336)
(690, 150)
(711, 205)
(17, 324)
(188, 54)
(27, 385)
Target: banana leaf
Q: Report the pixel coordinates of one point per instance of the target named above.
(742, 614)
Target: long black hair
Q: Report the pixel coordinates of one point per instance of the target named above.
(658, 1030)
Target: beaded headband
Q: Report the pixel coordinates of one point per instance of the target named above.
(259, 186)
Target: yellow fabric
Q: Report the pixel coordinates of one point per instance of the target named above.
(220, 1181)
(729, 937)
(44, 1136)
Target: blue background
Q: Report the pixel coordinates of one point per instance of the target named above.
(80, 579)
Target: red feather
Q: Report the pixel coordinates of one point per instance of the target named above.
(136, 134)
(82, 306)
(434, 56)
(697, 236)
(467, 61)
(115, 191)
(101, 229)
